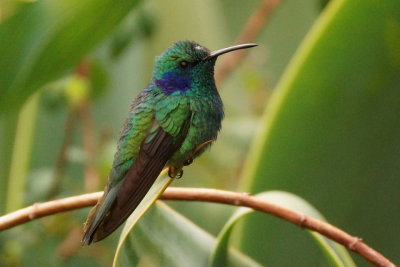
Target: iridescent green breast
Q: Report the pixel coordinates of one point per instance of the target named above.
(206, 116)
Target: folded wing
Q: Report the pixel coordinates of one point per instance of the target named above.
(121, 200)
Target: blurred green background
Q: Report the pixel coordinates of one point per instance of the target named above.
(322, 124)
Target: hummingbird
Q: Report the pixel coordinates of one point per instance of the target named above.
(171, 122)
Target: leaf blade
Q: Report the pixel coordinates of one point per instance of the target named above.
(165, 238)
(154, 193)
(50, 39)
(330, 133)
(335, 253)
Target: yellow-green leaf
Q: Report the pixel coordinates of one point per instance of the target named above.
(44, 39)
(331, 132)
(336, 254)
(154, 193)
(165, 238)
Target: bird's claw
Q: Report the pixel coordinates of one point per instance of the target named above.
(179, 174)
(173, 174)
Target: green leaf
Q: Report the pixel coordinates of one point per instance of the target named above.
(44, 39)
(331, 131)
(8, 128)
(154, 193)
(165, 238)
(21, 154)
(336, 254)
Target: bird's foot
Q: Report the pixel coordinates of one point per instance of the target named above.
(175, 172)
(179, 174)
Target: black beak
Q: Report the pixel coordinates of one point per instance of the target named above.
(217, 53)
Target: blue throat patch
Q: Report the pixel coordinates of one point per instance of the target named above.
(172, 82)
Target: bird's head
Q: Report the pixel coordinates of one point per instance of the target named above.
(185, 65)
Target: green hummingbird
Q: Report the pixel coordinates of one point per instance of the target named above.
(172, 121)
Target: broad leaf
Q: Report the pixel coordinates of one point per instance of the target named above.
(44, 39)
(336, 254)
(331, 132)
(154, 193)
(165, 238)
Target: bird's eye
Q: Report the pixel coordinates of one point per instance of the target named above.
(183, 64)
